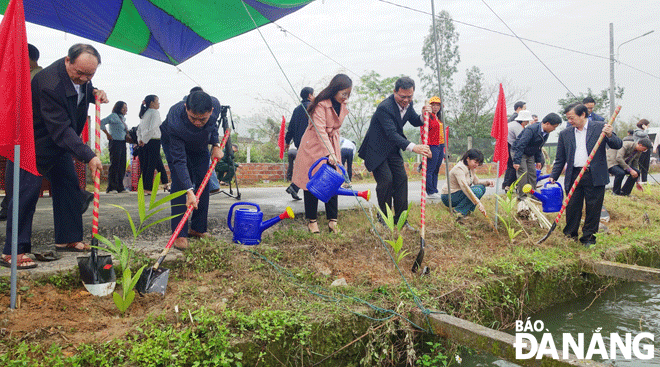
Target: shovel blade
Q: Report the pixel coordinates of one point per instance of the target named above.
(554, 225)
(97, 274)
(153, 281)
(420, 255)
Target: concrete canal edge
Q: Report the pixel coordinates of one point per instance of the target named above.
(497, 343)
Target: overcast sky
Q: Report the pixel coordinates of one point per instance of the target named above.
(370, 35)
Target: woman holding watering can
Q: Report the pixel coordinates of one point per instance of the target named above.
(436, 142)
(321, 139)
(466, 187)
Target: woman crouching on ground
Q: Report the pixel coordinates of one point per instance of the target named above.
(466, 187)
(321, 139)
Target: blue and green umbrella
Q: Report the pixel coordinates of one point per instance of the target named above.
(170, 31)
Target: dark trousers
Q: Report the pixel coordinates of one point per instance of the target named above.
(198, 165)
(67, 201)
(392, 184)
(291, 155)
(433, 168)
(510, 176)
(312, 203)
(644, 161)
(347, 161)
(619, 173)
(117, 165)
(149, 158)
(592, 197)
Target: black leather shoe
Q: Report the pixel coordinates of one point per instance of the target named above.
(88, 197)
(3, 214)
(293, 193)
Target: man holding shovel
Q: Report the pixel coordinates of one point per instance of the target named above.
(61, 94)
(573, 149)
(191, 126)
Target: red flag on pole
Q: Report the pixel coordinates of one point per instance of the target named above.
(280, 140)
(16, 101)
(500, 131)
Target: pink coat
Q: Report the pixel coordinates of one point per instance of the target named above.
(312, 147)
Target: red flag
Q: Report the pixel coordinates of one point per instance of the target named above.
(280, 140)
(84, 135)
(16, 101)
(500, 131)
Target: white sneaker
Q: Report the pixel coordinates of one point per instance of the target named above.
(435, 196)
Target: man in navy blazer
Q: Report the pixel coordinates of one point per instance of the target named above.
(191, 126)
(61, 94)
(382, 145)
(573, 149)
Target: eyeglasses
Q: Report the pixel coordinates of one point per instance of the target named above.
(345, 95)
(410, 97)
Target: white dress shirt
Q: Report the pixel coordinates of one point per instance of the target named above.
(581, 153)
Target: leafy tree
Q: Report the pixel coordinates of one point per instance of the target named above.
(448, 56)
(367, 94)
(601, 98)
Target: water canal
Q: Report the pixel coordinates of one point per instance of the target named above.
(625, 308)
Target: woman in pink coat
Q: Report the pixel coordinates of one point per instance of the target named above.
(321, 139)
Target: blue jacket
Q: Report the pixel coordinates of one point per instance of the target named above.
(529, 143)
(184, 138)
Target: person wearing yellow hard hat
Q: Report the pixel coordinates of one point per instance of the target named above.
(436, 142)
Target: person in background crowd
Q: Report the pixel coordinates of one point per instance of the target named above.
(116, 145)
(645, 160)
(630, 136)
(527, 154)
(321, 139)
(148, 134)
(190, 127)
(382, 145)
(573, 148)
(226, 168)
(347, 153)
(466, 187)
(61, 94)
(297, 127)
(590, 103)
(517, 107)
(436, 142)
(515, 128)
(625, 162)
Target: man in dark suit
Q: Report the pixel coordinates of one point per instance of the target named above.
(382, 145)
(190, 127)
(61, 94)
(573, 149)
(295, 131)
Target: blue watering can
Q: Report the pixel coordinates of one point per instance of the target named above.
(551, 197)
(539, 176)
(326, 182)
(248, 224)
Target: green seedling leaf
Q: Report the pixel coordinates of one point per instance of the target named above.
(130, 220)
(154, 190)
(159, 221)
(137, 276)
(403, 254)
(168, 198)
(119, 302)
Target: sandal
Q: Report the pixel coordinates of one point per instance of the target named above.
(313, 226)
(46, 256)
(332, 226)
(23, 263)
(73, 247)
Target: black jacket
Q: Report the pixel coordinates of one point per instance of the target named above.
(529, 143)
(566, 154)
(385, 134)
(58, 118)
(297, 124)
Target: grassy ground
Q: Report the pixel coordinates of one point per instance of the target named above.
(273, 304)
